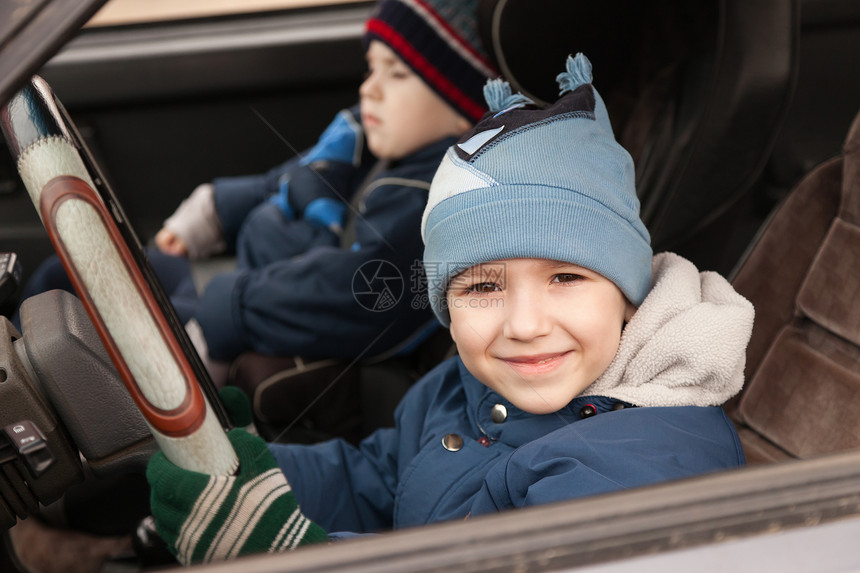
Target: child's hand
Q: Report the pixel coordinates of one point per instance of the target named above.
(313, 191)
(194, 230)
(206, 518)
(168, 243)
(342, 141)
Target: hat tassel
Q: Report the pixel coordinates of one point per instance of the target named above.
(499, 97)
(577, 72)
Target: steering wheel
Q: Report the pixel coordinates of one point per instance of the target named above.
(133, 318)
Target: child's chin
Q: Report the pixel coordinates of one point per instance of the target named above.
(539, 407)
(381, 148)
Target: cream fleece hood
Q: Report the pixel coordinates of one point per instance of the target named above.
(685, 345)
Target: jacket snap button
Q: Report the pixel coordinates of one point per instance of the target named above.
(587, 411)
(452, 442)
(499, 413)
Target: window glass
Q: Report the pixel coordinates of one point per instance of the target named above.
(118, 12)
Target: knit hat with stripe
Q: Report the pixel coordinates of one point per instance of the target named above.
(439, 40)
(538, 183)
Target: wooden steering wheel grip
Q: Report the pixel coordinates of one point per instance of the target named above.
(132, 327)
(52, 162)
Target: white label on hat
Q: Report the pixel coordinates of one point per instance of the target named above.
(478, 140)
(454, 176)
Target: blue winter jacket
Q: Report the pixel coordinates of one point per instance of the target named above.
(404, 476)
(330, 300)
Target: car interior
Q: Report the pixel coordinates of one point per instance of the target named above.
(740, 117)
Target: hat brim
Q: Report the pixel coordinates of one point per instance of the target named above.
(533, 221)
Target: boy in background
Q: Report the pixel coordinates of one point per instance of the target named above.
(586, 365)
(303, 232)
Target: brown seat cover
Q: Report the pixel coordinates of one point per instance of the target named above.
(802, 394)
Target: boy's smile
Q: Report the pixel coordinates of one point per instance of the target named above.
(399, 112)
(537, 363)
(536, 331)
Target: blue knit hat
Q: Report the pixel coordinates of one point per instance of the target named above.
(439, 40)
(538, 183)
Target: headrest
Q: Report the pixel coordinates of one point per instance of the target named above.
(613, 33)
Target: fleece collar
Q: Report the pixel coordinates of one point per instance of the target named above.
(685, 345)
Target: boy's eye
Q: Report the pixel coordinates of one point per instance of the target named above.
(566, 278)
(400, 72)
(484, 287)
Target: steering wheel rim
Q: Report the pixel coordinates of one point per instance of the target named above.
(108, 267)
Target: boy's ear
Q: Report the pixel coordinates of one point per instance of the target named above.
(463, 125)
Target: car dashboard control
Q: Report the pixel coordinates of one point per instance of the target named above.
(26, 441)
(10, 275)
(39, 461)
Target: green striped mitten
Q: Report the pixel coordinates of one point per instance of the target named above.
(206, 518)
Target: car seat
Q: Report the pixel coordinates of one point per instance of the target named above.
(803, 276)
(697, 92)
(306, 401)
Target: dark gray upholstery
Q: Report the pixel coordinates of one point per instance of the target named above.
(697, 92)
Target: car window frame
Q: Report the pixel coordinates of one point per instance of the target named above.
(748, 502)
(42, 30)
(132, 12)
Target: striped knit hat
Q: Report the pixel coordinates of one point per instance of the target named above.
(439, 40)
(538, 183)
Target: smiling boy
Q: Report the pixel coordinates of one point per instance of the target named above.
(585, 364)
(545, 332)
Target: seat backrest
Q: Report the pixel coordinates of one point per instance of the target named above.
(697, 92)
(803, 275)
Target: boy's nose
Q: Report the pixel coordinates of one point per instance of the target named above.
(368, 87)
(526, 318)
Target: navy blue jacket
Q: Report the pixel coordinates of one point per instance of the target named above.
(328, 300)
(404, 476)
